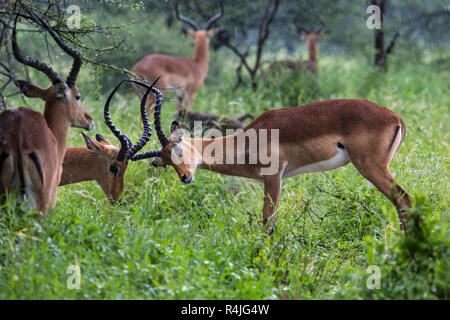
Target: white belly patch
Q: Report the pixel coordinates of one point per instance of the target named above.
(337, 161)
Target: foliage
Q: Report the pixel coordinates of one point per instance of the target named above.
(414, 266)
(205, 241)
(292, 89)
(145, 27)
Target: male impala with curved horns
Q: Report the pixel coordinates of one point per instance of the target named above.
(186, 75)
(100, 160)
(319, 136)
(32, 146)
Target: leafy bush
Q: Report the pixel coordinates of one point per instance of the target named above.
(411, 266)
(291, 89)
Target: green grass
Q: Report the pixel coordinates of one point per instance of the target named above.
(206, 241)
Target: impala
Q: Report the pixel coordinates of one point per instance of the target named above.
(32, 145)
(186, 75)
(316, 137)
(220, 122)
(312, 44)
(100, 160)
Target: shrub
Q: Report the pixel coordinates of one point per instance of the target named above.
(411, 266)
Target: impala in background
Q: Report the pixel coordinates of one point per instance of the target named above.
(312, 45)
(186, 75)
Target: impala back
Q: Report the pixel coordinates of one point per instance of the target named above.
(25, 165)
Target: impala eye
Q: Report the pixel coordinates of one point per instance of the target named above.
(114, 169)
(77, 97)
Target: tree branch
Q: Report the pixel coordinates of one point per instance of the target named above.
(392, 43)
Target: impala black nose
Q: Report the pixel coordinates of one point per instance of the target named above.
(187, 180)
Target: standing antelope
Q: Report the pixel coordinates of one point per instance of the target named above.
(185, 74)
(100, 160)
(316, 137)
(32, 145)
(313, 46)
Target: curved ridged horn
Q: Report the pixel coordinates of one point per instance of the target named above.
(125, 142)
(157, 114)
(146, 122)
(186, 19)
(160, 133)
(302, 29)
(146, 155)
(74, 53)
(319, 30)
(49, 72)
(214, 19)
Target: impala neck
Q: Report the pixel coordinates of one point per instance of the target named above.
(313, 48)
(200, 145)
(59, 124)
(80, 164)
(312, 55)
(201, 53)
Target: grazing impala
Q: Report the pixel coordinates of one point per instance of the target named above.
(32, 145)
(100, 160)
(319, 136)
(209, 121)
(312, 44)
(185, 74)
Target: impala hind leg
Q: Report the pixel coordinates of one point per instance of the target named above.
(188, 100)
(179, 102)
(382, 179)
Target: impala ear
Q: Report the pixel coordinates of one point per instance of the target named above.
(157, 162)
(102, 139)
(91, 145)
(189, 32)
(99, 137)
(31, 90)
(211, 32)
(60, 89)
(174, 126)
(177, 132)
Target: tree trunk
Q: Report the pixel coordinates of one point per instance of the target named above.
(380, 53)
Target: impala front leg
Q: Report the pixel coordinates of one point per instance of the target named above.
(272, 191)
(188, 100)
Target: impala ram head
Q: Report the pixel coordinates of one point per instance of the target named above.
(175, 152)
(197, 32)
(62, 97)
(114, 160)
(112, 171)
(312, 38)
(178, 154)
